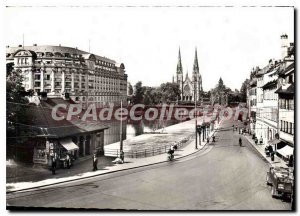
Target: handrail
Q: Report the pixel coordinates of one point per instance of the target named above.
(147, 152)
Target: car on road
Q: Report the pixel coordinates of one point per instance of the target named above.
(281, 180)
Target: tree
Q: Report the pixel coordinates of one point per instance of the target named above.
(169, 92)
(243, 91)
(130, 89)
(220, 86)
(139, 91)
(17, 115)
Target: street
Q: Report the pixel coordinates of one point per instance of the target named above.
(222, 176)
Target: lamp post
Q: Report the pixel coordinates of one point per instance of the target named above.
(121, 132)
(195, 98)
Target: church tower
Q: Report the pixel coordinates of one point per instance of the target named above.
(179, 74)
(197, 79)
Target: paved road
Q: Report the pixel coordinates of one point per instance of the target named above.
(223, 176)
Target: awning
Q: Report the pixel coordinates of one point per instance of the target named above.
(274, 141)
(286, 151)
(68, 144)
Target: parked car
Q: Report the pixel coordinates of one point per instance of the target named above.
(281, 180)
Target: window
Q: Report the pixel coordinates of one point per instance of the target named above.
(291, 104)
(37, 77)
(292, 128)
(281, 124)
(47, 77)
(37, 84)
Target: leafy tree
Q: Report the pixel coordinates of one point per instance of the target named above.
(243, 91)
(139, 91)
(220, 86)
(16, 113)
(169, 92)
(130, 89)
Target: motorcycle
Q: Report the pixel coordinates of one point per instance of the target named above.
(170, 155)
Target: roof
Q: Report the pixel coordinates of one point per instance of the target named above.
(54, 49)
(47, 126)
(253, 82)
(270, 84)
(287, 70)
(289, 90)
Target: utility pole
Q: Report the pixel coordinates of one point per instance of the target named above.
(196, 146)
(121, 132)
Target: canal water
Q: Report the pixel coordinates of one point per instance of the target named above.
(133, 128)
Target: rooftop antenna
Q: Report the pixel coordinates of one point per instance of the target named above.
(23, 40)
(89, 46)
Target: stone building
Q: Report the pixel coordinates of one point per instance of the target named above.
(69, 72)
(190, 87)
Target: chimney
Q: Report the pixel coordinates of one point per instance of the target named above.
(20, 45)
(34, 44)
(284, 45)
(7, 46)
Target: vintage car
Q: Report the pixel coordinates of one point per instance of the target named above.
(281, 180)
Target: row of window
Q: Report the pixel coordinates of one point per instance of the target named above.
(270, 95)
(268, 113)
(287, 127)
(286, 104)
(23, 61)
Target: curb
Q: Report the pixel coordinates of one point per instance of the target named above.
(261, 155)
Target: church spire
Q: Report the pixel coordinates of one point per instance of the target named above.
(196, 66)
(179, 65)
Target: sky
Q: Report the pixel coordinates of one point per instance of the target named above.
(230, 40)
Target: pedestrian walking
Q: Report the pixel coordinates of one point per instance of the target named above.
(95, 162)
(261, 140)
(68, 160)
(53, 165)
(232, 127)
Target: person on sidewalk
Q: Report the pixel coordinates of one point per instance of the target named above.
(53, 165)
(68, 160)
(122, 155)
(232, 127)
(95, 162)
(261, 140)
(240, 141)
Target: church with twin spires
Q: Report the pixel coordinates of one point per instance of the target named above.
(190, 87)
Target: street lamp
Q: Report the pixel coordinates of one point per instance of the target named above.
(195, 98)
(121, 132)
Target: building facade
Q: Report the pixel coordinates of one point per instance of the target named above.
(272, 87)
(69, 72)
(190, 87)
(286, 95)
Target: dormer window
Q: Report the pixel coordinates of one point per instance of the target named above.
(49, 54)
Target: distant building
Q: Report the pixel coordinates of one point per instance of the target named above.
(69, 72)
(190, 87)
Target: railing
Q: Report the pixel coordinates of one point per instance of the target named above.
(149, 151)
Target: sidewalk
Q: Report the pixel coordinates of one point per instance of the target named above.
(84, 170)
(260, 148)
